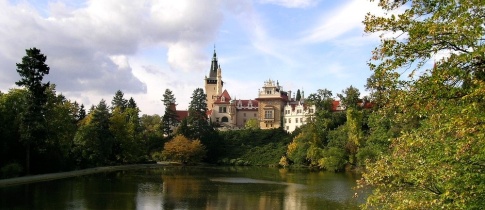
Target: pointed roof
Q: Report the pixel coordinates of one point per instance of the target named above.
(214, 65)
(227, 98)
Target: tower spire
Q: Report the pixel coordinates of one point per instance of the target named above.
(214, 65)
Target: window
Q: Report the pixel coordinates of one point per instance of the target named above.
(217, 119)
(310, 111)
(254, 114)
(298, 111)
(301, 120)
(287, 128)
(223, 99)
(268, 114)
(289, 120)
(244, 114)
(285, 120)
(296, 120)
(224, 119)
(244, 121)
(222, 109)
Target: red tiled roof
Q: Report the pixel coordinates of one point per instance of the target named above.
(335, 105)
(227, 98)
(182, 114)
(245, 103)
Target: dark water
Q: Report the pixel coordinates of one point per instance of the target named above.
(189, 188)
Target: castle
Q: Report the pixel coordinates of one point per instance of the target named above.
(273, 108)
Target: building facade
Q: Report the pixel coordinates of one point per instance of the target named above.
(271, 100)
(296, 114)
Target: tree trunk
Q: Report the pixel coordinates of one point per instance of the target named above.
(27, 160)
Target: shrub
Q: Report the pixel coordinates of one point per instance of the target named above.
(11, 170)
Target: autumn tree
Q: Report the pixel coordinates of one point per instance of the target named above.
(32, 70)
(436, 108)
(183, 150)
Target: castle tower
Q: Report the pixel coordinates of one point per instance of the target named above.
(271, 102)
(213, 83)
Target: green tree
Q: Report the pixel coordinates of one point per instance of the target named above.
(197, 120)
(252, 124)
(32, 70)
(170, 117)
(81, 113)
(436, 160)
(119, 101)
(298, 95)
(151, 132)
(94, 141)
(12, 105)
(350, 98)
(61, 126)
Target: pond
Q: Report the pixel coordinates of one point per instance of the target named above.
(177, 187)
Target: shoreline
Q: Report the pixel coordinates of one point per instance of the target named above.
(61, 175)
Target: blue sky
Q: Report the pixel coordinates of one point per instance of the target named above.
(144, 47)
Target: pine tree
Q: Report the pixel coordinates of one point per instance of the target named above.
(197, 119)
(118, 101)
(81, 113)
(298, 95)
(32, 71)
(170, 118)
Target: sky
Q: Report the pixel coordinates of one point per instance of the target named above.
(144, 47)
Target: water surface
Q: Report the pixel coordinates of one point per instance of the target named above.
(171, 187)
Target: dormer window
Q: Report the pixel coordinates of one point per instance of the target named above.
(223, 99)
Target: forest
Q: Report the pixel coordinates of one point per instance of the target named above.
(421, 146)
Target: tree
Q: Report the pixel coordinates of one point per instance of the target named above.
(32, 70)
(132, 104)
(118, 101)
(94, 142)
(170, 117)
(252, 124)
(183, 150)
(298, 95)
(81, 113)
(197, 120)
(350, 98)
(436, 159)
(12, 105)
(151, 132)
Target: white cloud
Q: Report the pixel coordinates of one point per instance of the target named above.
(292, 3)
(89, 44)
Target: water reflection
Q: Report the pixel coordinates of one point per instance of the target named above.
(189, 188)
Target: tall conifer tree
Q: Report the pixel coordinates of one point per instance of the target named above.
(32, 70)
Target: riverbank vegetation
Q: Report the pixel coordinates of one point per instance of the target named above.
(420, 145)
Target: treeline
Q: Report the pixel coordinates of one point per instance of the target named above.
(70, 137)
(42, 131)
(333, 140)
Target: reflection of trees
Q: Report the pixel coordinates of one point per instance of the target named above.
(183, 191)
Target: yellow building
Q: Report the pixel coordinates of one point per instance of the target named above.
(271, 100)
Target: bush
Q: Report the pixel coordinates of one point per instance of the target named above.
(11, 170)
(183, 150)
